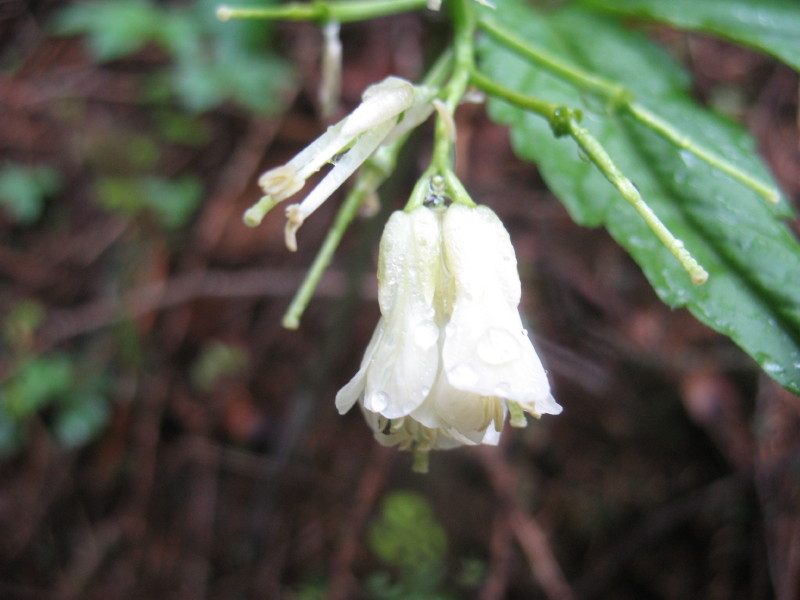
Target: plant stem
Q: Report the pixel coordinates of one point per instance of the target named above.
(342, 12)
(375, 170)
(575, 75)
(556, 114)
(598, 155)
(464, 24)
(564, 121)
(667, 131)
(621, 97)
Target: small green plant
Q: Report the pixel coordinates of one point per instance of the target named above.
(209, 63)
(407, 537)
(23, 190)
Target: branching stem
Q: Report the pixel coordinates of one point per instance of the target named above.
(322, 12)
(621, 98)
(564, 121)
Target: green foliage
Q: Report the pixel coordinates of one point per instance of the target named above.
(57, 384)
(23, 190)
(171, 201)
(21, 322)
(210, 62)
(37, 383)
(114, 29)
(408, 538)
(768, 25)
(217, 360)
(753, 292)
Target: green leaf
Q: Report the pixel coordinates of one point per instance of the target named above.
(24, 189)
(80, 420)
(216, 361)
(172, 201)
(407, 534)
(115, 29)
(753, 293)
(21, 322)
(772, 26)
(37, 383)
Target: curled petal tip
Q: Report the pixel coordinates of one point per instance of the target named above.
(281, 182)
(294, 221)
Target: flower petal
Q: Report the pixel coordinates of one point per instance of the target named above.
(354, 389)
(406, 359)
(486, 351)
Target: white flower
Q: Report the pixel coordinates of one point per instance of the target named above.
(388, 109)
(449, 354)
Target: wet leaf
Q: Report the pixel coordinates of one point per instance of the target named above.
(771, 26)
(753, 293)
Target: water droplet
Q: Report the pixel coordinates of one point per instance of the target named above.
(771, 367)
(462, 375)
(376, 401)
(498, 346)
(426, 390)
(426, 335)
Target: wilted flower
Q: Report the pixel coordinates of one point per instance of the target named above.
(449, 355)
(388, 109)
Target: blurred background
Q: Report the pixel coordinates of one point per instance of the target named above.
(162, 437)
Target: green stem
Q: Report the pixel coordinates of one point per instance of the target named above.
(575, 75)
(668, 132)
(564, 121)
(374, 171)
(464, 24)
(598, 155)
(557, 115)
(343, 12)
(619, 96)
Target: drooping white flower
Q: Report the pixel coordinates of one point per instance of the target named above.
(388, 109)
(449, 353)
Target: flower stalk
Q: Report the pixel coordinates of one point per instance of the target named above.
(322, 12)
(619, 97)
(564, 121)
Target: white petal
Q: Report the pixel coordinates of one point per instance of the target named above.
(486, 350)
(478, 250)
(382, 102)
(406, 360)
(346, 166)
(352, 391)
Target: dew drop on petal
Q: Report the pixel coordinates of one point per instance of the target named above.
(376, 401)
(462, 375)
(498, 347)
(426, 335)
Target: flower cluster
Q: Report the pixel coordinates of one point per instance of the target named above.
(449, 356)
(388, 109)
